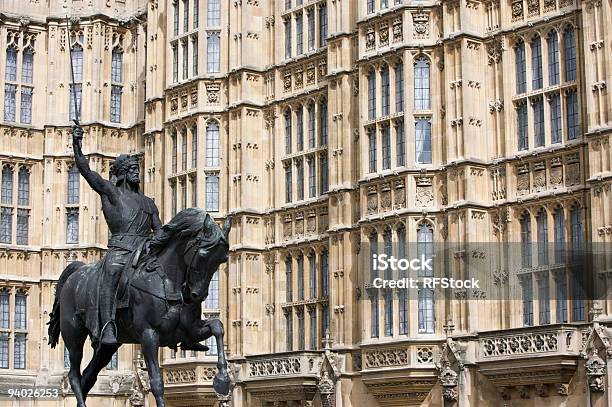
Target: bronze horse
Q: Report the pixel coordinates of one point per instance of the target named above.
(195, 247)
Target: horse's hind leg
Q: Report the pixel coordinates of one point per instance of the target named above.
(74, 342)
(101, 357)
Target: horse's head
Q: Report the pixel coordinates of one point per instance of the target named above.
(203, 255)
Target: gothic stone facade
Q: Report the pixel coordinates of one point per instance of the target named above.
(320, 125)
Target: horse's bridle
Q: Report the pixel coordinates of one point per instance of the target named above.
(193, 246)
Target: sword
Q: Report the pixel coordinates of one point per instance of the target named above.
(76, 107)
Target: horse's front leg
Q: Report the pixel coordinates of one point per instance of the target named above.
(150, 347)
(222, 381)
(202, 330)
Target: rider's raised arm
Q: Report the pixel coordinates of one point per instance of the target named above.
(99, 184)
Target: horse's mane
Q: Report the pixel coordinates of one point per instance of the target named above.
(188, 223)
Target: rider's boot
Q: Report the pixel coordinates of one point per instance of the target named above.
(108, 335)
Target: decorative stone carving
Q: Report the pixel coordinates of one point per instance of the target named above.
(539, 177)
(494, 51)
(370, 39)
(385, 357)
(212, 92)
(177, 376)
(595, 368)
(556, 173)
(385, 197)
(310, 74)
(425, 355)
(572, 174)
(424, 191)
(519, 344)
(522, 180)
(549, 5)
(287, 81)
(274, 367)
(420, 23)
(372, 200)
(399, 195)
(533, 7)
(517, 9)
(398, 30)
(298, 78)
(383, 34)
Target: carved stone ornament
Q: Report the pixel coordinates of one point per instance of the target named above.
(326, 384)
(370, 39)
(595, 368)
(212, 92)
(517, 9)
(420, 22)
(398, 31)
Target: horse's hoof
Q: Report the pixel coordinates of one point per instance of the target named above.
(222, 383)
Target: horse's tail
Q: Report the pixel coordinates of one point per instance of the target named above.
(54, 317)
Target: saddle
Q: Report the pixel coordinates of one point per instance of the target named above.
(147, 276)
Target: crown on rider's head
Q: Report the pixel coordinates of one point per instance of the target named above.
(123, 163)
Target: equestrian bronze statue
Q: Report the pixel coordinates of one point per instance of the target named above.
(148, 288)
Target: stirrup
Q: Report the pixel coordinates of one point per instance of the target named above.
(102, 333)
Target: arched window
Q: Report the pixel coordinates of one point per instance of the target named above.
(385, 91)
(311, 126)
(212, 301)
(323, 122)
(117, 85)
(388, 296)
(73, 185)
(388, 250)
(527, 288)
(7, 185)
(23, 199)
(569, 45)
(184, 149)
(300, 128)
(27, 66)
(194, 146)
(288, 130)
(425, 245)
(426, 295)
(212, 144)
(576, 228)
(421, 84)
(371, 95)
(288, 279)
(402, 294)
(399, 87)
(553, 58)
(300, 277)
(214, 13)
(77, 74)
(312, 268)
(542, 222)
(174, 150)
(373, 241)
(10, 73)
(559, 220)
(372, 149)
(423, 141)
(212, 193)
(536, 63)
(526, 241)
(521, 67)
(324, 260)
